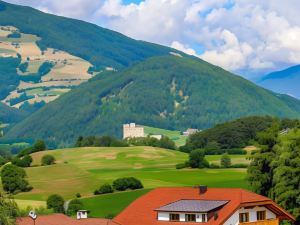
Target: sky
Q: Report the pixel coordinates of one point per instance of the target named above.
(247, 37)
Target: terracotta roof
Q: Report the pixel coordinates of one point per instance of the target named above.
(61, 219)
(142, 211)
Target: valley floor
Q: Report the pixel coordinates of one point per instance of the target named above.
(82, 170)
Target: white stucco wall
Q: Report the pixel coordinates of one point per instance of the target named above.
(234, 219)
(165, 216)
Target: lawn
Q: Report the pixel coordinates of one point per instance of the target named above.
(110, 204)
(82, 170)
(173, 135)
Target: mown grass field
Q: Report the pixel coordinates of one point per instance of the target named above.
(82, 170)
(173, 135)
(85, 169)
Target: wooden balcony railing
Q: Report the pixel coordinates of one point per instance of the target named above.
(263, 222)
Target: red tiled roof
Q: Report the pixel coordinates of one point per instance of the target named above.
(142, 211)
(61, 219)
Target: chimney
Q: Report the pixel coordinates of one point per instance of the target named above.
(202, 189)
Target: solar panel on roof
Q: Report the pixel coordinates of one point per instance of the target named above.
(192, 206)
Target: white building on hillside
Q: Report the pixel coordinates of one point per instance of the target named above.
(133, 130)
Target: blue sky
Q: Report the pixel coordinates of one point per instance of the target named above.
(250, 38)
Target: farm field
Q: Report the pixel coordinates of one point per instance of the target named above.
(111, 204)
(37, 82)
(173, 135)
(84, 169)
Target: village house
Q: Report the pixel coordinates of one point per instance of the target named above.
(190, 131)
(184, 206)
(202, 205)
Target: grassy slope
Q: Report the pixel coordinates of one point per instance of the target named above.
(85, 169)
(147, 94)
(172, 134)
(97, 45)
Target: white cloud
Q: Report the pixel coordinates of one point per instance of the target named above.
(239, 35)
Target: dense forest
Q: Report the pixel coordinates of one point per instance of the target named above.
(233, 134)
(168, 92)
(274, 170)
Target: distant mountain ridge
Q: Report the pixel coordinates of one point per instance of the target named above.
(285, 81)
(169, 92)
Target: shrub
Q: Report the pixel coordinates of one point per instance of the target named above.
(239, 165)
(22, 162)
(78, 195)
(104, 189)
(197, 159)
(56, 202)
(38, 146)
(13, 179)
(214, 166)
(48, 160)
(123, 184)
(180, 166)
(225, 161)
(74, 206)
(14, 35)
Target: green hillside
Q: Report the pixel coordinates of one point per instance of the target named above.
(169, 92)
(174, 135)
(11, 115)
(99, 46)
(85, 169)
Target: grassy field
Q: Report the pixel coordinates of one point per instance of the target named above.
(85, 169)
(173, 135)
(111, 204)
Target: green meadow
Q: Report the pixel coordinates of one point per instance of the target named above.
(82, 170)
(173, 135)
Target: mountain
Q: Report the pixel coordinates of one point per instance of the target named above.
(286, 81)
(10, 115)
(172, 92)
(43, 56)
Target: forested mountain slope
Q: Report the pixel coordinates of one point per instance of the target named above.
(101, 47)
(170, 92)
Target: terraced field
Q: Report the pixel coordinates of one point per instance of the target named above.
(67, 70)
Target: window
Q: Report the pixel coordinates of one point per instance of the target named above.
(261, 215)
(174, 217)
(244, 217)
(203, 217)
(190, 217)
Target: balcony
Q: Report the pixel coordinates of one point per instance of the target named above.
(262, 222)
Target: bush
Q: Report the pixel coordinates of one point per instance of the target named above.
(197, 159)
(180, 166)
(56, 202)
(239, 165)
(236, 151)
(78, 195)
(22, 162)
(15, 34)
(13, 179)
(123, 184)
(225, 161)
(74, 206)
(48, 160)
(38, 146)
(214, 166)
(104, 189)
